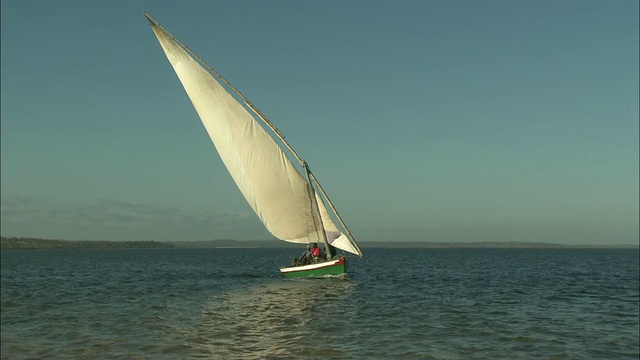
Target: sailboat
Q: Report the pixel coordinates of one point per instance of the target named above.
(288, 199)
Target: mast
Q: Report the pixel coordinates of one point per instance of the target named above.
(314, 206)
(333, 208)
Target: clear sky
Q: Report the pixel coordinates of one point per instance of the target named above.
(434, 120)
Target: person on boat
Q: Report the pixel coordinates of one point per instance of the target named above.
(331, 252)
(305, 258)
(315, 252)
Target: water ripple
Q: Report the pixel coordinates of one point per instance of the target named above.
(397, 304)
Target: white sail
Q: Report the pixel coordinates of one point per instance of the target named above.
(334, 236)
(281, 197)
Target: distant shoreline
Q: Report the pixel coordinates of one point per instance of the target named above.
(15, 243)
(21, 243)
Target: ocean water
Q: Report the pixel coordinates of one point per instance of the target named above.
(396, 304)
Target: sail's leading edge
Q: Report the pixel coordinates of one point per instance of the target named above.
(270, 183)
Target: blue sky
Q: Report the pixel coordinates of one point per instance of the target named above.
(424, 120)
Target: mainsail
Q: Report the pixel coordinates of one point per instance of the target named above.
(285, 201)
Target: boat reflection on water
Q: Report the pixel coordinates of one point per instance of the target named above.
(281, 319)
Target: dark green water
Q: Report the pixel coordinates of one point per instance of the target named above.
(397, 304)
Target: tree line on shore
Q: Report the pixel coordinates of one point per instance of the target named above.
(39, 243)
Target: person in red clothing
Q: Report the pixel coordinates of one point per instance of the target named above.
(315, 251)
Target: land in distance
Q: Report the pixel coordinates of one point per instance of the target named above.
(39, 243)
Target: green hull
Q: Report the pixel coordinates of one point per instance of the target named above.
(337, 268)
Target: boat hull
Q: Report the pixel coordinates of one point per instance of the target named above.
(332, 268)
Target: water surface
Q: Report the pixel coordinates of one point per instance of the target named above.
(396, 304)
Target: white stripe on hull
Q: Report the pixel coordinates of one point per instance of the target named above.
(310, 266)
